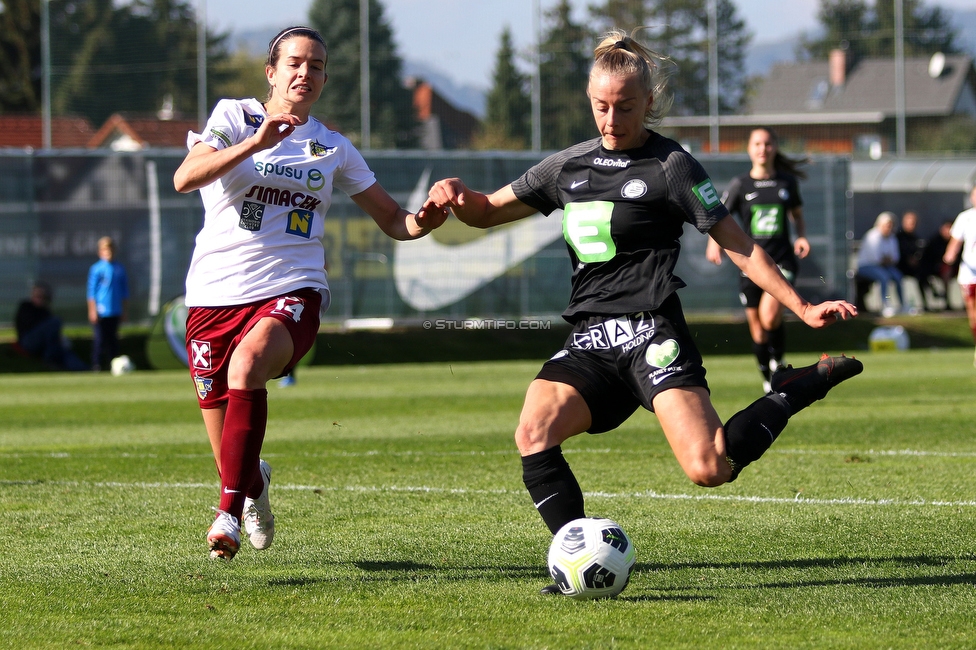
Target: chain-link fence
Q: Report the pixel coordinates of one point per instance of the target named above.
(55, 205)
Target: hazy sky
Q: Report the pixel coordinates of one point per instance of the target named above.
(461, 37)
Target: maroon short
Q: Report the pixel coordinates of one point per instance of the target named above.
(213, 333)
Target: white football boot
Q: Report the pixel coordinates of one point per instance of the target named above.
(224, 536)
(258, 520)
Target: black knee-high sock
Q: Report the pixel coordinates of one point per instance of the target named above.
(777, 342)
(553, 487)
(761, 350)
(751, 431)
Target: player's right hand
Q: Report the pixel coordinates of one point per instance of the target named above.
(276, 128)
(447, 193)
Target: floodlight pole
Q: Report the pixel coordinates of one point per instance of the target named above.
(364, 74)
(202, 64)
(900, 77)
(537, 79)
(45, 74)
(713, 138)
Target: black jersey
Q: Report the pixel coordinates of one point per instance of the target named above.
(762, 207)
(623, 213)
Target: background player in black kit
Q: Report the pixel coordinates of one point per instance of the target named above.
(766, 200)
(625, 197)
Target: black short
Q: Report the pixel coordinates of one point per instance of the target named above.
(750, 293)
(618, 364)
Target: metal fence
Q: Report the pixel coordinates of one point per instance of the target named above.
(54, 205)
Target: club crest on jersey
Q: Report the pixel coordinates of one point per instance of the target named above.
(203, 385)
(251, 216)
(253, 120)
(319, 150)
(299, 222)
(633, 189)
(200, 354)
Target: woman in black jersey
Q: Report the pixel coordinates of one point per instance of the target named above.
(766, 200)
(624, 198)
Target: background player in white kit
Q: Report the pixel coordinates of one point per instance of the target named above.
(962, 247)
(257, 279)
(625, 197)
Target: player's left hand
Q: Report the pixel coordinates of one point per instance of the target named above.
(801, 247)
(826, 313)
(430, 216)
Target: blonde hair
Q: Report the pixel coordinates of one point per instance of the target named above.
(620, 55)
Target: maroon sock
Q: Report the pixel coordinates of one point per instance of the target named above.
(240, 446)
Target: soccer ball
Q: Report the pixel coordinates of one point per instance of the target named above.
(122, 365)
(591, 558)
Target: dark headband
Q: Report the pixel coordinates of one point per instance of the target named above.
(292, 30)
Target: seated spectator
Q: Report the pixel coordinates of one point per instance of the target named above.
(932, 266)
(910, 247)
(877, 260)
(39, 331)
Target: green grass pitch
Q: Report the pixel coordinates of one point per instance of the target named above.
(403, 523)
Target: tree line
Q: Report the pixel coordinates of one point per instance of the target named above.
(106, 58)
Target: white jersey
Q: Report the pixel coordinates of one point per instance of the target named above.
(964, 229)
(264, 220)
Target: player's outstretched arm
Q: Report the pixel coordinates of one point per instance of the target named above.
(477, 209)
(754, 262)
(395, 221)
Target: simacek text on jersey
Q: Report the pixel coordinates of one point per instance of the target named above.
(488, 324)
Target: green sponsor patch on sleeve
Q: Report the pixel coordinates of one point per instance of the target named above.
(220, 135)
(706, 193)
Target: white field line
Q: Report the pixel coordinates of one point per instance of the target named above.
(422, 489)
(914, 453)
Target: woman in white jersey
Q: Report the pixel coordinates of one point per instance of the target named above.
(257, 279)
(962, 247)
(625, 197)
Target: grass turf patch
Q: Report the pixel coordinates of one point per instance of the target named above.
(402, 521)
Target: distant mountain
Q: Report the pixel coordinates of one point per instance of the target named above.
(253, 41)
(760, 58)
(965, 21)
(464, 96)
(467, 97)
